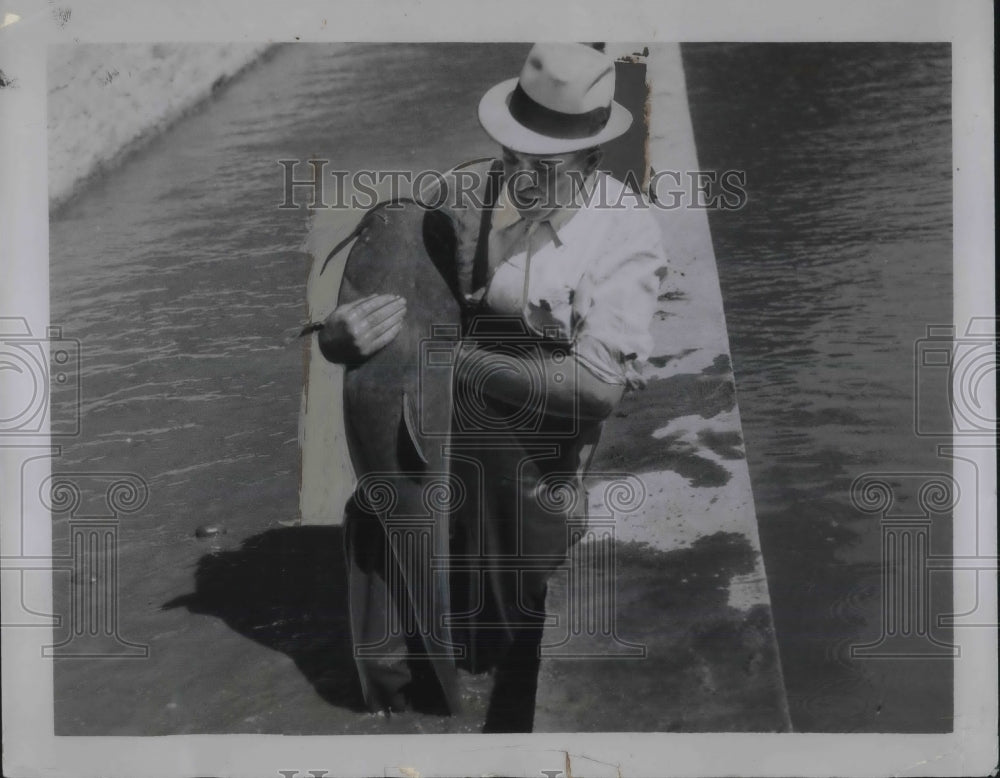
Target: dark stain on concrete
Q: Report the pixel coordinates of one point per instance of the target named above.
(628, 445)
(726, 444)
(664, 359)
(676, 454)
(708, 667)
(720, 366)
(6, 81)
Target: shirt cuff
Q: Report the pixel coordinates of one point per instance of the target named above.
(599, 360)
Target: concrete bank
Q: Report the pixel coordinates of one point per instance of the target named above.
(105, 100)
(665, 606)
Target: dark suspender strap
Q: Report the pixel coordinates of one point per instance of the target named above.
(480, 261)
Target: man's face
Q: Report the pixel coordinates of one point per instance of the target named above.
(537, 184)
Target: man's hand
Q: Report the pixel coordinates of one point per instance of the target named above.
(355, 331)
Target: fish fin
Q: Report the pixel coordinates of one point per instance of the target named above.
(411, 427)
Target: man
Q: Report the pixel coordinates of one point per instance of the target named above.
(556, 266)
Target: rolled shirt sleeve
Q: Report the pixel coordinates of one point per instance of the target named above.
(616, 299)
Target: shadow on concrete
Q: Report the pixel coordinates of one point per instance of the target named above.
(287, 589)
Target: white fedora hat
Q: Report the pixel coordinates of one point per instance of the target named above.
(562, 101)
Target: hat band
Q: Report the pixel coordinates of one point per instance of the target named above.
(555, 124)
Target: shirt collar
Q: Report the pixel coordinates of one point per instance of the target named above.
(506, 215)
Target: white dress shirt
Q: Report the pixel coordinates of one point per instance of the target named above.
(588, 275)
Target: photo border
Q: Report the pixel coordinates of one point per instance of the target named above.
(31, 749)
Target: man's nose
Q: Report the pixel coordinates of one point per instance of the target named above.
(521, 164)
(526, 165)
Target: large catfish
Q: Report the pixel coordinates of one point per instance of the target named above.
(397, 415)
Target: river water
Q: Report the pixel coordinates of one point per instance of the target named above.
(177, 270)
(830, 275)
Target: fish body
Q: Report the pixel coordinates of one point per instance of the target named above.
(397, 416)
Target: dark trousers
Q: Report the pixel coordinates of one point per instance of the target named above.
(507, 541)
(393, 672)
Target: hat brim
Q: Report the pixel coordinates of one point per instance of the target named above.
(496, 119)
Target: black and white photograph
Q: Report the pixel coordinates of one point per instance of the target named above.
(586, 397)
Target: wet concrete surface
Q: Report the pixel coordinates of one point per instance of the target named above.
(706, 666)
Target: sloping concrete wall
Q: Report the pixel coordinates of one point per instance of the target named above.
(326, 478)
(105, 99)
